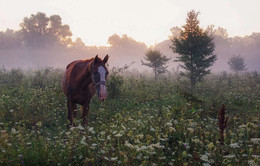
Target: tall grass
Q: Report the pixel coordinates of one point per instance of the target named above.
(144, 122)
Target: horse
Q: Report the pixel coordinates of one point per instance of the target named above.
(82, 79)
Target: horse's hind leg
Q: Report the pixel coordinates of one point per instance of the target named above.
(85, 109)
(71, 107)
(74, 109)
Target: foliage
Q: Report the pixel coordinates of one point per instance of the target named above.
(237, 64)
(156, 61)
(40, 30)
(115, 81)
(195, 49)
(151, 123)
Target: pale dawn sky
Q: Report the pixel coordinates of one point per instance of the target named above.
(147, 21)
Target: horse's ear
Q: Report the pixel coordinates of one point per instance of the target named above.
(105, 59)
(96, 59)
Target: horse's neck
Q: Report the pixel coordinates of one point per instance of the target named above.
(85, 76)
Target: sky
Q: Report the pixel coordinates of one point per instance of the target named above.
(148, 21)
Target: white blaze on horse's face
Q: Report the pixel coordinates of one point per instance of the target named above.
(103, 91)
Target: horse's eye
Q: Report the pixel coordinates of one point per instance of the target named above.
(96, 76)
(96, 73)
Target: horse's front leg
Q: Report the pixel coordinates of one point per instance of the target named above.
(85, 109)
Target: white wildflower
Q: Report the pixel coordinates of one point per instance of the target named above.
(80, 156)
(169, 124)
(252, 163)
(72, 128)
(206, 164)
(13, 131)
(186, 145)
(255, 140)
(90, 129)
(129, 145)
(244, 155)
(94, 145)
(118, 135)
(106, 158)
(157, 145)
(113, 158)
(124, 128)
(83, 141)
(172, 129)
(204, 157)
(162, 158)
(230, 156)
(102, 132)
(11, 110)
(114, 132)
(242, 126)
(170, 164)
(190, 129)
(81, 127)
(256, 156)
(143, 147)
(152, 129)
(234, 145)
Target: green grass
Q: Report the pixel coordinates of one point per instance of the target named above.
(144, 122)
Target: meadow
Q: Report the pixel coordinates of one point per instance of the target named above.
(143, 121)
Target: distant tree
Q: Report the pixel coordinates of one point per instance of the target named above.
(78, 44)
(40, 31)
(237, 64)
(156, 61)
(176, 31)
(10, 39)
(195, 49)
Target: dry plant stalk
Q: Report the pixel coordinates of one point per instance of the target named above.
(222, 122)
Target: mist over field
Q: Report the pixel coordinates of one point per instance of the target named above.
(204, 111)
(49, 43)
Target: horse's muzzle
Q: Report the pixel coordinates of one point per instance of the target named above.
(102, 92)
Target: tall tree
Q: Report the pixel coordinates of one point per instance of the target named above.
(237, 64)
(195, 49)
(156, 61)
(41, 31)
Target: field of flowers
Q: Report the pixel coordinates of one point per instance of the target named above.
(143, 122)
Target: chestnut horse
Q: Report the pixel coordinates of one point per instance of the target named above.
(82, 79)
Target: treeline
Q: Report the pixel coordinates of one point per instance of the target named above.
(37, 31)
(46, 41)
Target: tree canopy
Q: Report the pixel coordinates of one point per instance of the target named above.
(236, 63)
(42, 31)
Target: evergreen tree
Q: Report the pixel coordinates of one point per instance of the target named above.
(195, 49)
(156, 61)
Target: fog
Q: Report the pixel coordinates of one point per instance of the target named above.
(51, 45)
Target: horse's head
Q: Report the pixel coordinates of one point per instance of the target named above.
(99, 74)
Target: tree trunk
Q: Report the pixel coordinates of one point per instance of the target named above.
(192, 81)
(155, 73)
